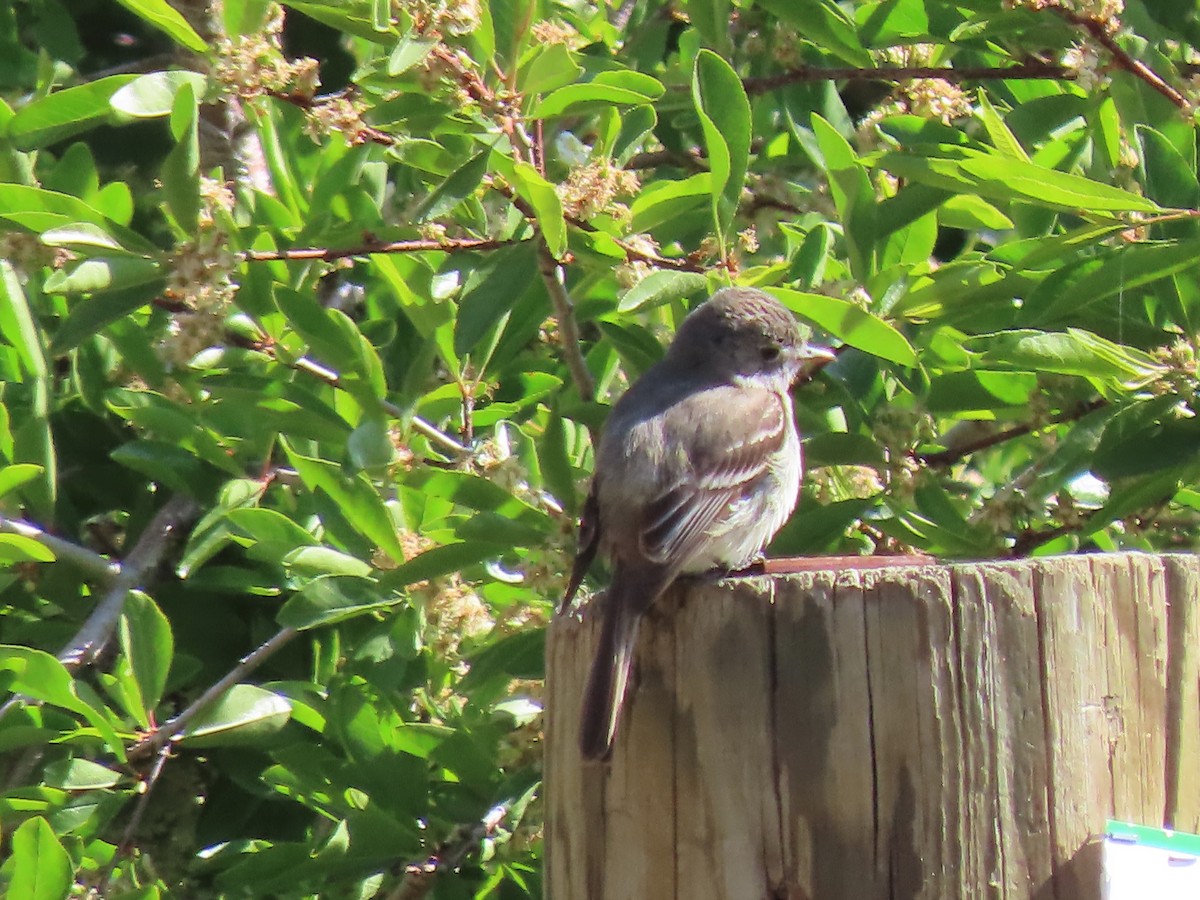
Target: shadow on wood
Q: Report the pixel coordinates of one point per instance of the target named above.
(930, 732)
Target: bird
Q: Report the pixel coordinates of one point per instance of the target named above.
(697, 468)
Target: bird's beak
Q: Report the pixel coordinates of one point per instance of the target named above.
(810, 352)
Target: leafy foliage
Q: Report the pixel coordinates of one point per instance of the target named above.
(322, 371)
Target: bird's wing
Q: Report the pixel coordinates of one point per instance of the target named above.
(589, 542)
(728, 454)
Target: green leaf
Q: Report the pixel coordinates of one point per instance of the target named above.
(17, 325)
(12, 477)
(853, 195)
(808, 265)
(474, 492)
(64, 113)
(636, 124)
(661, 287)
(409, 51)
(511, 21)
(32, 441)
(460, 185)
(852, 324)
(489, 293)
(540, 194)
(444, 560)
(156, 93)
(181, 169)
(357, 19)
(336, 341)
(40, 676)
(164, 463)
(825, 24)
(578, 99)
(552, 66)
(332, 599)
(1002, 138)
(80, 775)
(41, 868)
(82, 237)
(90, 317)
(105, 273)
(1170, 181)
(40, 210)
(1125, 268)
(711, 18)
(1073, 352)
(1012, 179)
(149, 646)
(244, 715)
(662, 201)
(17, 548)
(521, 655)
(971, 213)
(165, 18)
(555, 463)
(324, 561)
(724, 112)
(356, 499)
(276, 533)
(979, 390)
(1146, 436)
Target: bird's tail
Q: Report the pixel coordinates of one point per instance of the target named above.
(604, 696)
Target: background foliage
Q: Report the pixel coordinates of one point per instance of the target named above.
(308, 315)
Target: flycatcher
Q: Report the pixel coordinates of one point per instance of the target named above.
(697, 469)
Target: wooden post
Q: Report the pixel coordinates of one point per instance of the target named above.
(947, 731)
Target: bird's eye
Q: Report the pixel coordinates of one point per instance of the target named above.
(770, 353)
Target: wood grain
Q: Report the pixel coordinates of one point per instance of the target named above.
(923, 731)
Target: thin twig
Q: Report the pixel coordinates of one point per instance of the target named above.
(135, 819)
(553, 276)
(651, 159)
(360, 135)
(92, 565)
(624, 11)
(761, 201)
(1032, 69)
(679, 264)
(326, 254)
(419, 877)
(331, 378)
(564, 310)
(1099, 30)
(158, 738)
(952, 455)
(1029, 540)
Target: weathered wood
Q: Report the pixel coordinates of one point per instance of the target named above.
(922, 732)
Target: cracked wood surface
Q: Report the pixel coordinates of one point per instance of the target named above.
(925, 731)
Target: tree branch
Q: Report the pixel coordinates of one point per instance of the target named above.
(157, 739)
(449, 855)
(1100, 31)
(331, 378)
(135, 572)
(92, 565)
(692, 160)
(564, 310)
(952, 455)
(135, 819)
(326, 254)
(1032, 69)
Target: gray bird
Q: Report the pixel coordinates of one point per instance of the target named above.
(697, 469)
